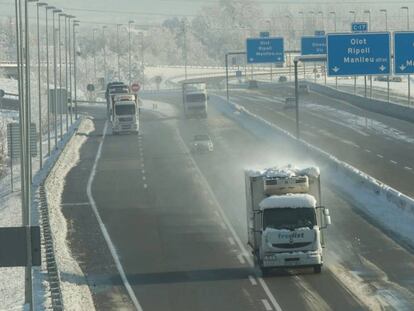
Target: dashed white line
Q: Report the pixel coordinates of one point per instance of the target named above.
(380, 156)
(267, 305)
(142, 164)
(252, 280)
(408, 168)
(145, 186)
(367, 150)
(231, 241)
(240, 257)
(223, 225)
(394, 162)
(143, 171)
(144, 178)
(217, 214)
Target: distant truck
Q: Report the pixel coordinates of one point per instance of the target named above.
(195, 99)
(125, 114)
(285, 220)
(113, 89)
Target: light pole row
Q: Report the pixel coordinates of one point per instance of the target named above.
(22, 12)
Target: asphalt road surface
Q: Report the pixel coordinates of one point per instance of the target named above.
(177, 220)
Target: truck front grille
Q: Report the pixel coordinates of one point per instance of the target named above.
(292, 245)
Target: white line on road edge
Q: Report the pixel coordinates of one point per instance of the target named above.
(380, 156)
(267, 305)
(103, 227)
(408, 168)
(229, 225)
(240, 257)
(231, 241)
(252, 280)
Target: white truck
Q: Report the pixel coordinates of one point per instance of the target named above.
(124, 114)
(285, 219)
(195, 99)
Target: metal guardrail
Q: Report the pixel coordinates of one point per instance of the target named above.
(47, 242)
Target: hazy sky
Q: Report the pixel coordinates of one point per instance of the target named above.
(150, 11)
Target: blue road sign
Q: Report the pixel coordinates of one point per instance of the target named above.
(319, 32)
(313, 45)
(404, 52)
(359, 27)
(265, 50)
(359, 54)
(264, 34)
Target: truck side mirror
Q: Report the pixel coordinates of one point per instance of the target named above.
(327, 217)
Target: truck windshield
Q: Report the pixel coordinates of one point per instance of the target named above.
(196, 97)
(122, 110)
(289, 218)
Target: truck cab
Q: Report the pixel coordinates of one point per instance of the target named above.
(195, 99)
(124, 114)
(285, 220)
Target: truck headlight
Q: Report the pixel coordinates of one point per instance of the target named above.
(313, 254)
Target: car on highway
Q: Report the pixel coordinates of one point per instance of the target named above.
(303, 88)
(202, 143)
(252, 84)
(290, 103)
(282, 79)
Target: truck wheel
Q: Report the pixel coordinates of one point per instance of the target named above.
(317, 269)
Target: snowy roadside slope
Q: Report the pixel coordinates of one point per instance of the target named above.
(75, 290)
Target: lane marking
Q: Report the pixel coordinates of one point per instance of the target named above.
(267, 305)
(145, 186)
(240, 257)
(143, 171)
(142, 164)
(252, 280)
(394, 162)
(380, 156)
(217, 214)
(367, 150)
(75, 204)
(230, 226)
(223, 225)
(103, 227)
(408, 168)
(144, 178)
(231, 240)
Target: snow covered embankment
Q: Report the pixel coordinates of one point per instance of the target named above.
(390, 208)
(75, 290)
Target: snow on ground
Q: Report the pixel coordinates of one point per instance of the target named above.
(75, 290)
(359, 123)
(12, 279)
(8, 85)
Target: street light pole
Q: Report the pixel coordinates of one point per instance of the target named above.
(386, 29)
(409, 77)
(185, 49)
(75, 24)
(129, 52)
(48, 78)
(55, 74)
(67, 17)
(335, 29)
(141, 34)
(117, 49)
(60, 76)
(104, 53)
(370, 77)
(94, 54)
(39, 4)
(355, 78)
(69, 52)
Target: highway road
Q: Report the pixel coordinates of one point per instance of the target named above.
(379, 145)
(176, 220)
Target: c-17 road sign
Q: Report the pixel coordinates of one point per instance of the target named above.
(358, 54)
